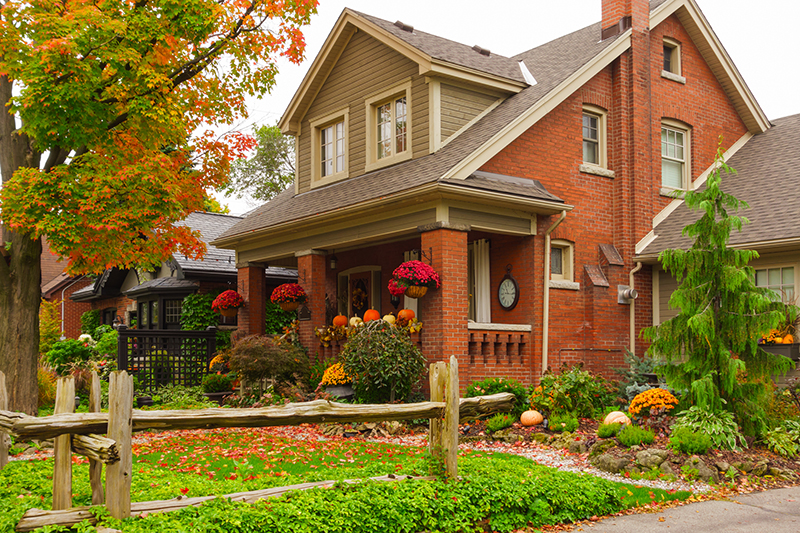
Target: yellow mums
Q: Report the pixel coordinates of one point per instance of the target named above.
(335, 375)
(652, 402)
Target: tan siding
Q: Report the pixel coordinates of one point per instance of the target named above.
(365, 67)
(459, 106)
(666, 286)
(419, 117)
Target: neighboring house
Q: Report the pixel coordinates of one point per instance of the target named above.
(547, 167)
(153, 300)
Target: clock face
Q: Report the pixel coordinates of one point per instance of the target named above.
(508, 293)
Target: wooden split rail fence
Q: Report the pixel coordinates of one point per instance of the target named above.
(82, 434)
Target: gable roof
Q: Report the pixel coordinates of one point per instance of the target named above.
(768, 163)
(560, 67)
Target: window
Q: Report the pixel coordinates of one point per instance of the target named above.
(479, 285)
(591, 140)
(389, 127)
(672, 61)
(779, 279)
(674, 156)
(561, 260)
(329, 146)
(172, 312)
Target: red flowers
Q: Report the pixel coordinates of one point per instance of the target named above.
(413, 273)
(288, 293)
(227, 300)
(395, 288)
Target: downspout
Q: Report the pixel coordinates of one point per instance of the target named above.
(546, 299)
(636, 269)
(62, 304)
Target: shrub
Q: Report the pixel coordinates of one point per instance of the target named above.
(277, 319)
(64, 355)
(498, 385)
(687, 441)
(634, 435)
(383, 361)
(217, 383)
(255, 358)
(47, 386)
(784, 439)
(572, 390)
(196, 315)
(605, 431)
(499, 421)
(566, 422)
(49, 325)
(720, 426)
(634, 378)
(106, 347)
(180, 397)
(90, 321)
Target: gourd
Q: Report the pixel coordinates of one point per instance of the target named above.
(389, 319)
(340, 320)
(617, 417)
(531, 418)
(371, 314)
(405, 314)
(356, 321)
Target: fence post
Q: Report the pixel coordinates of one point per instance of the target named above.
(95, 466)
(437, 377)
(62, 447)
(122, 347)
(451, 412)
(4, 438)
(120, 423)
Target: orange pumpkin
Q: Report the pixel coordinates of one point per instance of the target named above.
(617, 417)
(788, 339)
(371, 314)
(340, 320)
(531, 418)
(405, 314)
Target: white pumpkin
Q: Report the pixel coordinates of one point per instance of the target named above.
(389, 319)
(617, 417)
(356, 321)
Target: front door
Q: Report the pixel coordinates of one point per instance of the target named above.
(359, 293)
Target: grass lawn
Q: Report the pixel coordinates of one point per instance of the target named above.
(498, 491)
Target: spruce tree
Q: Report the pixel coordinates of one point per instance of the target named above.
(710, 349)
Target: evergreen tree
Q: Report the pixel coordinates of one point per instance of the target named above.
(710, 349)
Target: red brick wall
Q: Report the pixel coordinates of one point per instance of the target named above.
(72, 310)
(253, 315)
(311, 274)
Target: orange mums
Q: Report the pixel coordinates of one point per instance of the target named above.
(652, 402)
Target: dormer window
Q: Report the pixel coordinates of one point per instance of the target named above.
(672, 61)
(389, 127)
(329, 148)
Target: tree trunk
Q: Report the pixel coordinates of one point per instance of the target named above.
(20, 276)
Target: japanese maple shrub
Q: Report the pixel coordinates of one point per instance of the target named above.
(383, 361)
(255, 358)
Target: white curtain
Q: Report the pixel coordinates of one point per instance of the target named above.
(482, 290)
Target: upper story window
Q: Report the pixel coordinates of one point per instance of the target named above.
(779, 279)
(593, 127)
(389, 127)
(672, 61)
(329, 148)
(675, 162)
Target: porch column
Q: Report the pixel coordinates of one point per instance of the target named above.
(251, 286)
(311, 276)
(443, 312)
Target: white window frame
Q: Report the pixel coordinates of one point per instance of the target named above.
(317, 126)
(567, 257)
(779, 288)
(675, 72)
(372, 104)
(686, 177)
(601, 166)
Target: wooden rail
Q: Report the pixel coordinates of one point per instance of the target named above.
(81, 433)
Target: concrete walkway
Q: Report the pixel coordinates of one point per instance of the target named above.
(772, 511)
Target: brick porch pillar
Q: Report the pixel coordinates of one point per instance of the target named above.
(443, 311)
(311, 276)
(250, 283)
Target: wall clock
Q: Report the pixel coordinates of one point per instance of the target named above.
(508, 291)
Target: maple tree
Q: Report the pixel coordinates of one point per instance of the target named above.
(102, 148)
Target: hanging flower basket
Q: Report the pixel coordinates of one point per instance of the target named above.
(227, 303)
(289, 296)
(416, 292)
(413, 279)
(289, 306)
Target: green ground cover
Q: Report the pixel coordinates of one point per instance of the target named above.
(498, 491)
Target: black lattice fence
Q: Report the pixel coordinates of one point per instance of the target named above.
(157, 357)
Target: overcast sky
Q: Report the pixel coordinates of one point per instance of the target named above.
(760, 36)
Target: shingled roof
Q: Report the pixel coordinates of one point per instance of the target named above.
(210, 226)
(767, 174)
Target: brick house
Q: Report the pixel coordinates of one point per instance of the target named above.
(154, 299)
(551, 168)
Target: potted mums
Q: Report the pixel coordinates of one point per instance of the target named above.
(227, 303)
(413, 279)
(289, 296)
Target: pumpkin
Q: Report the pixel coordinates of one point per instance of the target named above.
(788, 339)
(531, 418)
(389, 319)
(405, 314)
(371, 314)
(340, 320)
(617, 417)
(356, 321)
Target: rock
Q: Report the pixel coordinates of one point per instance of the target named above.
(703, 471)
(777, 472)
(744, 466)
(761, 468)
(470, 438)
(634, 470)
(577, 445)
(393, 427)
(562, 441)
(651, 458)
(722, 466)
(608, 463)
(541, 438)
(361, 427)
(333, 430)
(666, 468)
(601, 446)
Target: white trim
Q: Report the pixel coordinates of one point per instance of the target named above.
(675, 59)
(565, 284)
(588, 168)
(371, 104)
(602, 134)
(434, 114)
(498, 327)
(678, 126)
(438, 67)
(645, 242)
(567, 260)
(672, 76)
(529, 79)
(317, 124)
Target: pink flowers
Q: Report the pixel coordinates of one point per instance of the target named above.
(413, 273)
(227, 300)
(287, 293)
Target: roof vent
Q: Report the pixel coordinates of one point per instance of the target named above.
(405, 27)
(482, 51)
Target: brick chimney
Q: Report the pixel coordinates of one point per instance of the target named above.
(619, 15)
